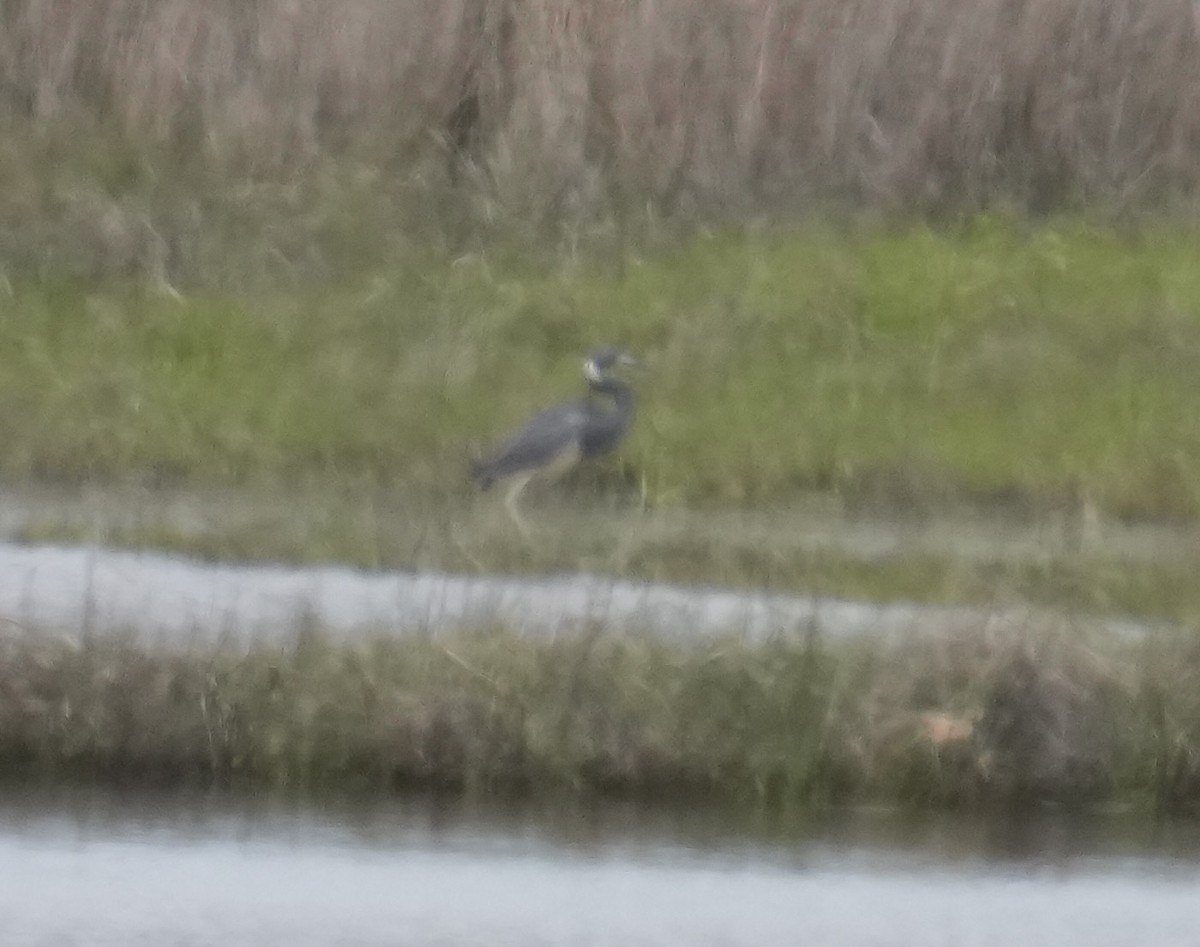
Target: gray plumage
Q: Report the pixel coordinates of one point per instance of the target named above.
(578, 430)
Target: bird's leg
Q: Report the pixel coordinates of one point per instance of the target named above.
(510, 503)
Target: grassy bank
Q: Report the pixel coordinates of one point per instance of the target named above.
(979, 718)
(900, 368)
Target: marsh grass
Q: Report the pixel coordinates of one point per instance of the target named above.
(908, 368)
(981, 717)
(264, 242)
(270, 245)
(576, 116)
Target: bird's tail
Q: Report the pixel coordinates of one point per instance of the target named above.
(481, 473)
(480, 466)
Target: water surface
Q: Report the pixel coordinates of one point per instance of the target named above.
(100, 869)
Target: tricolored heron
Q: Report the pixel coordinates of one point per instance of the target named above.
(554, 440)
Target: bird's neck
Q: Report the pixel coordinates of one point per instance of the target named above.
(621, 393)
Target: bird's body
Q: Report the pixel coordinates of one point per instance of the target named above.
(580, 430)
(554, 440)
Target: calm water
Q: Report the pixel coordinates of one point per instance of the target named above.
(91, 868)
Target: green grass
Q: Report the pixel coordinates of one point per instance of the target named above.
(987, 360)
(973, 718)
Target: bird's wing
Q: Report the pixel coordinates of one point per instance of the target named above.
(542, 438)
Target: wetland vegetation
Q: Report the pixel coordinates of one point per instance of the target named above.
(910, 368)
(978, 718)
(1032, 374)
(881, 267)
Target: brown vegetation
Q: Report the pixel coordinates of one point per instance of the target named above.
(989, 715)
(586, 108)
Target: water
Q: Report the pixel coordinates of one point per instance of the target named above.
(158, 598)
(88, 589)
(101, 869)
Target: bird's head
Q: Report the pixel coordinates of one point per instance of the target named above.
(602, 362)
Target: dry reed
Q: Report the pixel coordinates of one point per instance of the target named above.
(584, 109)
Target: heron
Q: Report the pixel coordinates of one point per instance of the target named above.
(552, 441)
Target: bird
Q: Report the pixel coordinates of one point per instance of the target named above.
(552, 441)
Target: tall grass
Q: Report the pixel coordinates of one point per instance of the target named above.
(732, 103)
(578, 115)
(983, 716)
